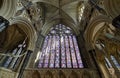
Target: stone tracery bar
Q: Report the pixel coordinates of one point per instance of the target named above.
(60, 49)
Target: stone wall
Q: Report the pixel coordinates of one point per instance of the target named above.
(5, 73)
(60, 73)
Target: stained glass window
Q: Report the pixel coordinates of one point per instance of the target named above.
(12, 62)
(60, 49)
(115, 61)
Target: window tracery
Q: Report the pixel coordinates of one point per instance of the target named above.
(12, 60)
(60, 49)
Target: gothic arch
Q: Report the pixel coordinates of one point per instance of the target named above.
(28, 29)
(7, 8)
(112, 7)
(94, 33)
(46, 28)
(11, 37)
(92, 30)
(73, 75)
(48, 74)
(36, 74)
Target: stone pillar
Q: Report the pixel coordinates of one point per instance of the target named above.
(93, 55)
(105, 71)
(87, 59)
(38, 48)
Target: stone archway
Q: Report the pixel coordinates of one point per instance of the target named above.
(7, 8)
(94, 28)
(11, 37)
(112, 7)
(24, 25)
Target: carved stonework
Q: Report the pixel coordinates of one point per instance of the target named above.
(61, 73)
(7, 73)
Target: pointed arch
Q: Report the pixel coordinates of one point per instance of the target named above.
(8, 8)
(28, 29)
(93, 28)
(60, 49)
(46, 28)
(112, 7)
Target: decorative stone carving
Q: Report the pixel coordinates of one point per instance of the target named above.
(7, 74)
(61, 73)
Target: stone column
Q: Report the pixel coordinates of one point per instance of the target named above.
(38, 48)
(105, 70)
(87, 59)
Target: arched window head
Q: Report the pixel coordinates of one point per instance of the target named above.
(60, 49)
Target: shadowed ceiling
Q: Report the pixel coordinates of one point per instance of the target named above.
(61, 11)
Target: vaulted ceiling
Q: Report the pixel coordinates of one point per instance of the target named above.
(61, 11)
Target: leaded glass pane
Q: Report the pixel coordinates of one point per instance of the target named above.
(60, 49)
(115, 61)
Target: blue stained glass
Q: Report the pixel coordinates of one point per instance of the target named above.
(47, 53)
(52, 53)
(68, 53)
(58, 52)
(43, 51)
(74, 62)
(77, 53)
(60, 49)
(115, 61)
(63, 61)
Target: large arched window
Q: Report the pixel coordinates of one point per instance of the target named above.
(13, 57)
(60, 49)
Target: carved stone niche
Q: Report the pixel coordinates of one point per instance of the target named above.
(35, 14)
